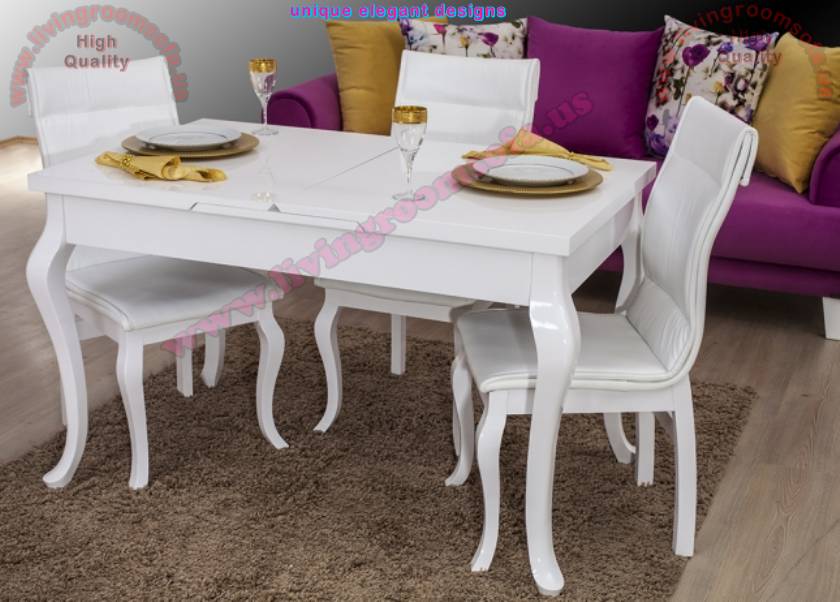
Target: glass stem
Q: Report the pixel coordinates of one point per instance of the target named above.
(264, 103)
(409, 169)
(408, 160)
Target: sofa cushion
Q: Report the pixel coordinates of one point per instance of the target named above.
(312, 104)
(725, 70)
(770, 223)
(491, 41)
(799, 111)
(367, 64)
(594, 86)
(825, 177)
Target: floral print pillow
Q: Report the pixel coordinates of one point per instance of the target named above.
(726, 70)
(495, 40)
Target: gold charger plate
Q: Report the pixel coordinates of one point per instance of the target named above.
(245, 143)
(467, 176)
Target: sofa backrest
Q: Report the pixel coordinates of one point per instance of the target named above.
(469, 99)
(711, 153)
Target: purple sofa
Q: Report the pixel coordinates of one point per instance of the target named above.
(773, 238)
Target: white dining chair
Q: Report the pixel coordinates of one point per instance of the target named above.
(637, 359)
(468, 100)
(140, 299)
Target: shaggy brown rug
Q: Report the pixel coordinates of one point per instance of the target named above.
(360, 513)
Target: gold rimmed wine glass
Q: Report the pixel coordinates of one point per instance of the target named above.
(263, 74)
(408, 130)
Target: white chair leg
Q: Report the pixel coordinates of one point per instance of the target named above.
(456, 423)
(685, 507)
(645, 432)
(183, 367)
(621, 447)
(272, 345)
(326, 336)
(397, 344)
(130, 379)
(62, 404)
(831, 313)
(214, 358)
(462, 395)
(489, 442)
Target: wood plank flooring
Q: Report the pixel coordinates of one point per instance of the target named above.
(773, 532)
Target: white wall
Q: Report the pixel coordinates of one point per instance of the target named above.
(217, 37)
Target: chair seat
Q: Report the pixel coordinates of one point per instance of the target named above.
(500, 350)
(147, 291)
(393, 294)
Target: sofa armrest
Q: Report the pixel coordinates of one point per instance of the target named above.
(312, 104)
(825, 176)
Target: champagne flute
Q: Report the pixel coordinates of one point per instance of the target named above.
(408, 129)
(263, 73)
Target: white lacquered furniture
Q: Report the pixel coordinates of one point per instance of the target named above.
(305, 189)
(637, 359)
(76, 111)
(468, 101)
(134, 299)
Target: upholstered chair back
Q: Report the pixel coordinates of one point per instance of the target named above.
(712, 152)
(469, 99)
(80, 111)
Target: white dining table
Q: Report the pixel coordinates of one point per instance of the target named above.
(303, 186)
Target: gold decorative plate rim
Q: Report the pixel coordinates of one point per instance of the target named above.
(244, 144)
(467, 176)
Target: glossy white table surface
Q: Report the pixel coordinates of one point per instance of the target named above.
(303, 186)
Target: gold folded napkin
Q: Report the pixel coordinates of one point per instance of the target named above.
(160, 167)
(529, 143)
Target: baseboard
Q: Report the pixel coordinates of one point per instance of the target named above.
(18, 140)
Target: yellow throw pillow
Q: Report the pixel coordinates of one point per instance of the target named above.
(367, 63)
(799, 110)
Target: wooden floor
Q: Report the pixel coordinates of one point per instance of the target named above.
(773, 532)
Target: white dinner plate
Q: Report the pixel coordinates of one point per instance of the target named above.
(188, 137)
(533, 170)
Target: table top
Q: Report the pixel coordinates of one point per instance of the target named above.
(349, 177)
(293, 159)
(554, 225)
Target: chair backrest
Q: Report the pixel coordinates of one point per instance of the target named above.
(469, 99)
(712, 152)
(79, 111)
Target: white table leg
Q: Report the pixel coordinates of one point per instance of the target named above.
(631, 249)
(557, 338)
(272, 346)
(45, 274)
(326, 337)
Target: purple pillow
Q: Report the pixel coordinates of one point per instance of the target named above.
(594, 86)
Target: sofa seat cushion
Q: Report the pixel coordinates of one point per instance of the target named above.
(770, 223)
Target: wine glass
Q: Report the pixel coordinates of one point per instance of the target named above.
(263, 73)
(408, 129)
